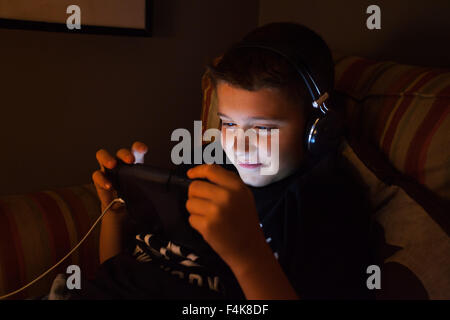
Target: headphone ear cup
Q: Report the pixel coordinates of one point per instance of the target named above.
(323, 133)
(311, 133)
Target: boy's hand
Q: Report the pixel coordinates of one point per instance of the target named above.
(224, 213)
(105, 191)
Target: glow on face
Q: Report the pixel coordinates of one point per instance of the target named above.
(264, 109)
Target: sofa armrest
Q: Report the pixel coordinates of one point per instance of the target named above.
(37, 229)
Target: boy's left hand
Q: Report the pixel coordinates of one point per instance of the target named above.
(224, 213)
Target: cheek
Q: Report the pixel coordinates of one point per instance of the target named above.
(291, 146)
(227, 144)
(223, 138)
(290, 141)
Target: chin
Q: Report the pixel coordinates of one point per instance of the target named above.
(256, 180)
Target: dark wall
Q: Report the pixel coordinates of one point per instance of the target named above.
(412, 31)
(64, 96)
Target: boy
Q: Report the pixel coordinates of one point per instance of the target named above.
(299, 233)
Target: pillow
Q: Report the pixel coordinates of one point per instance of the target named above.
(413, 249)
(403, 111)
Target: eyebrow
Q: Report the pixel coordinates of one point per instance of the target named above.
(254, 118)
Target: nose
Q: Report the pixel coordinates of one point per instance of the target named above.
(245, 147)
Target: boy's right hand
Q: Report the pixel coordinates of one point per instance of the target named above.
(105, 191)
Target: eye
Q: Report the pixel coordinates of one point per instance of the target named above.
(265, 128)
(228, 124)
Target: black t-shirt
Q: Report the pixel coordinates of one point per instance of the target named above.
(316, 221)
(317, 224)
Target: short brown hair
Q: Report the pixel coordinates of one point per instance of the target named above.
(254, 68)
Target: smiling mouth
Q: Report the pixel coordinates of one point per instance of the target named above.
(250, 166)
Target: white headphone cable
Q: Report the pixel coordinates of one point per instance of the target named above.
(67, 255)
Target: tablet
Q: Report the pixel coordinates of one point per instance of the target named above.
(158, 207)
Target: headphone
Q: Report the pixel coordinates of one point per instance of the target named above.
(323, 131)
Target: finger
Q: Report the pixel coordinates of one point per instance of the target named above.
(197, 222)
(105, 194)
(139, 146)
(125, 155)
(216, 174)
(105, 159)
(99, 179)
(197, 206)
(139, 150)
(205, 190)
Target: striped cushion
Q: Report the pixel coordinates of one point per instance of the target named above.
(37, 229)
(402, 110)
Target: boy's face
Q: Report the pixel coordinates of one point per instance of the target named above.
(266, 108)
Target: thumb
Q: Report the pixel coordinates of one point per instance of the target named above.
(139, 150)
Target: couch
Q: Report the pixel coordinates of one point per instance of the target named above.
(397, 120)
